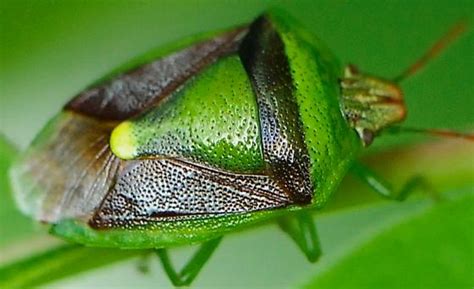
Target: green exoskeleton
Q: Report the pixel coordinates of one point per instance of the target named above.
(254, 123)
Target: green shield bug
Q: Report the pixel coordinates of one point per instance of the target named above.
(255, 123)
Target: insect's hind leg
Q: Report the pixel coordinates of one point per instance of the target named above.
(385, 189)
(301, 229)
(189, 272)
(143, 264)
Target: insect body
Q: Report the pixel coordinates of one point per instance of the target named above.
(254, 123)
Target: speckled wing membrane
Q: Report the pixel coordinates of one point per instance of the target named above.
(154, 189)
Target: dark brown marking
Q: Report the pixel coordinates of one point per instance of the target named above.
(129, 94)
(153, 190)
(263, 55)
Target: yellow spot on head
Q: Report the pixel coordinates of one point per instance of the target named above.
(122, 142)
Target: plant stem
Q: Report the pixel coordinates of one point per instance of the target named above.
(58, 263)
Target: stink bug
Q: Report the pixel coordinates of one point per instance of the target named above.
(255, 123)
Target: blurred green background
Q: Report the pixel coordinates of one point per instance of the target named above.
(51, 50)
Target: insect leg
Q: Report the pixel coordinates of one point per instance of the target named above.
(385, 189)
(192, 268)
(301, 229)
(143, 264)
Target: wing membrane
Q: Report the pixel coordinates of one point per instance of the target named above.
(67, 171)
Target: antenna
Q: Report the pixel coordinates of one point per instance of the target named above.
(439, 46)
(434, 132)
(448, 38)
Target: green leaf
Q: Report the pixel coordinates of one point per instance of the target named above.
(58, 263)
(433, 250)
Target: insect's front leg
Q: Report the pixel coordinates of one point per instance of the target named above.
(301, 229)
(192, 268)
(385, 189)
